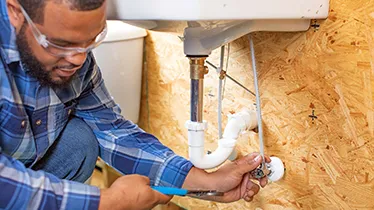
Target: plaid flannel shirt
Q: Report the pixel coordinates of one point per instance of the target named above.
(32, 117)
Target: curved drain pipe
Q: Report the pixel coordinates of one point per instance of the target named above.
(236, 124)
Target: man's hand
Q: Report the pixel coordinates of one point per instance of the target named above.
(131, 192)
(233, 179)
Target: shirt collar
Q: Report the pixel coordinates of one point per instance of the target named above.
(8, 46)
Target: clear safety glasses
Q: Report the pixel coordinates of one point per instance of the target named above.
(60, 51)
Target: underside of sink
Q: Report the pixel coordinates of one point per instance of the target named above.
(195, 10)
(209, 24)
(202, 37)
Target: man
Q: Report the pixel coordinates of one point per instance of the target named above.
(56, 117)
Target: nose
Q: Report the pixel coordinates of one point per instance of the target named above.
(77, 59)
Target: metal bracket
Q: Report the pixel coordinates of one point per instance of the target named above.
(315, 25)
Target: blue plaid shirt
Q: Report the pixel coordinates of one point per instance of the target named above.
(25, 138)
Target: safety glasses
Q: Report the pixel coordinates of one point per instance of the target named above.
(60, 51)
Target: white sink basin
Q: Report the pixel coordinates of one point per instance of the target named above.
(207, 24)
(217, 9)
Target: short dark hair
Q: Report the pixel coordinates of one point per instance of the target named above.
(35, 8)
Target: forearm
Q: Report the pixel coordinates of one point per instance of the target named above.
(132, 151)
(199, 179)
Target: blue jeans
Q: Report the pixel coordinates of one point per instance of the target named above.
(73, 155)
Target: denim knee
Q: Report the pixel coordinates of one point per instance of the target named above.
(82, 136)
(73, 155)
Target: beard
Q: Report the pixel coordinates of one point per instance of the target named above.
(36, 68)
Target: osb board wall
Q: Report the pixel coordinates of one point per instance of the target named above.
(329, 160)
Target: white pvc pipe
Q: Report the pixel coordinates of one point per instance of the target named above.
(207, 161)
(237, 123)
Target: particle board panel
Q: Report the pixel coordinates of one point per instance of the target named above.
(330, 71)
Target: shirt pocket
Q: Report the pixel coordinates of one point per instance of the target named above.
(12, 130)
(63, 114)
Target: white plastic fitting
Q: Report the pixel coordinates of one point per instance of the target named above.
(237, 123)
(277, 169)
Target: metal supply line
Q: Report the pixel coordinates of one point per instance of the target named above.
(232, 79)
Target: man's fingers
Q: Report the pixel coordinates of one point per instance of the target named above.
(249, 186)
(248, 163)
(252, 188)
(162, 198)
(248, 199)
(246, 188)
(251, 191)
(243, 186)
(143, 179)
(263, 182)
(267, 159)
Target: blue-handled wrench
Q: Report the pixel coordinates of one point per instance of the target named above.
(184, 192)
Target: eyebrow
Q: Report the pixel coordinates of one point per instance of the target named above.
(62, 41)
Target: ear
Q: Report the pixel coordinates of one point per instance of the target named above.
(16, 17)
